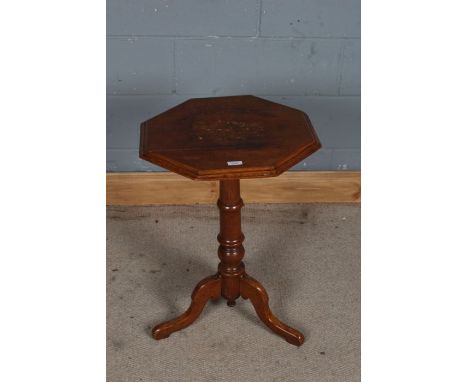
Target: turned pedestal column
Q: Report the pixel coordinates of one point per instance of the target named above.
(231, 251)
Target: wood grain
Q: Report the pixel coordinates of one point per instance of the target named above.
(254, 291)
(231, 281)
(208, 288)
(201, 137)
(154, 188)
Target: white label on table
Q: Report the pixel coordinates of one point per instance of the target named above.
(235, 163)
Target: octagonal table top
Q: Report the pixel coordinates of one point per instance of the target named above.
(228, 138)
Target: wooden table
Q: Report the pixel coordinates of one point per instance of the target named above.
(228, 139)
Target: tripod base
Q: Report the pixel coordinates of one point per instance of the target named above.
(210, 288)
(231, 281)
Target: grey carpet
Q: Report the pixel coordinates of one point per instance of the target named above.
(306, 255)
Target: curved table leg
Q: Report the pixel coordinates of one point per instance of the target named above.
(253, 290)
(207, 288)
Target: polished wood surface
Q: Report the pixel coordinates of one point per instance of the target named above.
(208, 288)
(231, 281)
(230, 238)
(158, 188)
(228, 137)
(253, 290)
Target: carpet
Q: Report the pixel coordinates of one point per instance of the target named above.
(307, 256)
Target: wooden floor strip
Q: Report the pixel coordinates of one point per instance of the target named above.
(149, 188)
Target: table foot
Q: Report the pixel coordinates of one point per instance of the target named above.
(208, 288)
(254, 291)
(231, 303)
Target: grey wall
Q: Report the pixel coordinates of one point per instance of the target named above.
(302, 53)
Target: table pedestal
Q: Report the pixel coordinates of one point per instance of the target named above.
(231, 281)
